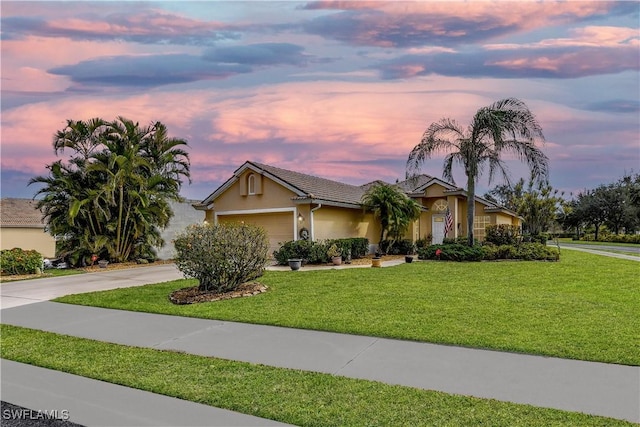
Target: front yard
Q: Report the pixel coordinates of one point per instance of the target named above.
(583, 307)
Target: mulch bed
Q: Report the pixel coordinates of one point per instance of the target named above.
(192, 295)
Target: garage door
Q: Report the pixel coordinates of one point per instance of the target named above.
(279, 225)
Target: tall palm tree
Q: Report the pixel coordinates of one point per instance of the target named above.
(506, 126)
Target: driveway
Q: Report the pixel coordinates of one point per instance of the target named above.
(14, 294)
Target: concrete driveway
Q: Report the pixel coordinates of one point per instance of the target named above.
(14, 294)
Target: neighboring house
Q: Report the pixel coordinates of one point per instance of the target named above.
(291, 205)
(22, 226)
(183, 215)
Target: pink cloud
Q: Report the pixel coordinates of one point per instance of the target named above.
(387, 24)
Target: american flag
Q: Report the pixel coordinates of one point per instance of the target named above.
(448, 222)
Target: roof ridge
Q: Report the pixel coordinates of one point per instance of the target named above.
(266, 167)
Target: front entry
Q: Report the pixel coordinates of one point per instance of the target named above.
(437, 229)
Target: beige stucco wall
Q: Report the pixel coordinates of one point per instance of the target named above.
(28, 238)
(273, 195)
(422, 227)
(335, 223)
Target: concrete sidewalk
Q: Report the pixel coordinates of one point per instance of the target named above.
(593, 388)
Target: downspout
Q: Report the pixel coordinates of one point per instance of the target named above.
(312, 237)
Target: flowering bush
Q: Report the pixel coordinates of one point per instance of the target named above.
(19, 261)
(221, 257)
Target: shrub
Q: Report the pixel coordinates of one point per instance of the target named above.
(538, 238)
(301, 249)
(460, 240)
(18, 261)
(536, 251)
(490, 252)
(359, 246)
(423, 243)
(397, 247)
(502, 234)
(613, 238)
(316, 252)
(452, 252)
(222, 256)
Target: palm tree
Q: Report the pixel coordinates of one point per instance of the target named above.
(112, 195)
(83, 137)
(392, 207)
(506, 126)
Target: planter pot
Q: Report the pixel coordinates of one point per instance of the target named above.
(295, 264)
(103, 263)
(376, 262)
(408, 258)
(336, 260)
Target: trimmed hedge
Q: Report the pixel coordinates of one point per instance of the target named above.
(397, 247)
(18, 261)
(316, 252)
(613, 238)
(452, 252)
(490, 252)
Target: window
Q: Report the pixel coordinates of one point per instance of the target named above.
(479, 225)
(251, 184)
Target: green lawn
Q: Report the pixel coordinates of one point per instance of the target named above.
(583, 307)
(290, 396)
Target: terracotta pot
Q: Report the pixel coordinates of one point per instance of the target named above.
(376, 262)
(337, 260)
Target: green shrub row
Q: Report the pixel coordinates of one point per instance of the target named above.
(397, 247)
(525, 251)
(316, 252)
(489, 251)
(613, 238)
(18, 261)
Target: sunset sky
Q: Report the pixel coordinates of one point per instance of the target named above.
(341, 90)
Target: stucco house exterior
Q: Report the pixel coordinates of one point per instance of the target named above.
(22, 226)
(292, 205)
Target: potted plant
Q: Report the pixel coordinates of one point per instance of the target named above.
(335, 254)
(295, 263)
(409, 256)
(376, 261)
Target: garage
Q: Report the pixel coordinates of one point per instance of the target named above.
(278, 225)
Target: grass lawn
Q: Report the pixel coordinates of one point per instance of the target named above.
(290, 396)
(583, 307)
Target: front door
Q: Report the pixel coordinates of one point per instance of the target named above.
(437, 229)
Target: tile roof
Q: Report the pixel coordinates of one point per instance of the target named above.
(321, 189)
(314, 187)
(20, 213)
